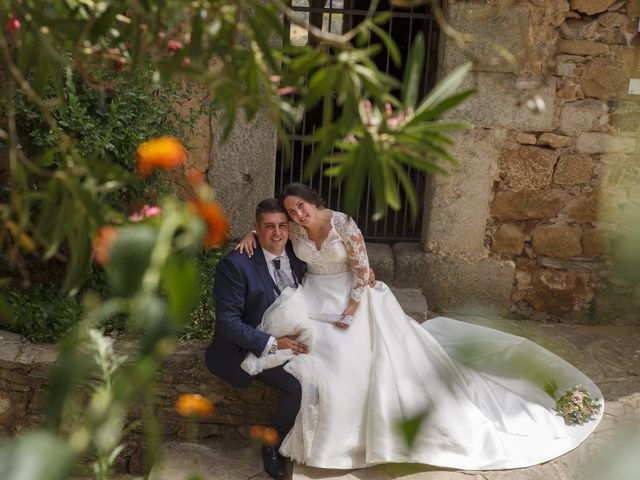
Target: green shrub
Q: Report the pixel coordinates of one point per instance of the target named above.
(203, 316)
(42, 314)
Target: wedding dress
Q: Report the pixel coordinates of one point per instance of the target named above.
(480, 389)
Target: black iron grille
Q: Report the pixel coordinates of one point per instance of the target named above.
(339, 16)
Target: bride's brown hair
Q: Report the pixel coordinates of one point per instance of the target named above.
(303, 191)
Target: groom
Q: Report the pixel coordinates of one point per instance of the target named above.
(244, 288)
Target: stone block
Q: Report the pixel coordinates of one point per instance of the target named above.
(569, 90)
(554, 140)
(573, 169)
(566, 69)
(605, 79)
(228, 460)
(506, 28)
(560, 241)
(499, 103)
(543, 205)
(612, 19)
(633, 8)
(242, 169)
(593, 142)
(526, 167)
(559, 293)
(591, 7)
(410, 264)
(584, 116)
(576, 263)
(457, 206)
(413, 302)
(582, 47)
(595, 243)
(458, 285)
(381, 261)
(526, 139)
(508, 238)
(583, 209)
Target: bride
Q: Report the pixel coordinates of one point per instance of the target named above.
(479, 392)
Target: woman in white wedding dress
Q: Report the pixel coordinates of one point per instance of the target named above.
(481, 390)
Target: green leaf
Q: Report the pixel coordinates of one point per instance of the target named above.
(37, 455)
(104, 22)
(392, 48)
(410, 426)
(446, 104)
(413, 72)
(130, 257)
(180, 279)
(261, 40)
(269, 15)
(354, 184)
(321, 82)
(444, 88)
(551, 388)
(79, 253)
(407, 185)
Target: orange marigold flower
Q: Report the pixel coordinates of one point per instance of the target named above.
(266, 435)
(216, 220)
(102, 243)
(194, 405)
(165, 153)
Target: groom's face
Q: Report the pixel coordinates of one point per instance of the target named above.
(273, 231)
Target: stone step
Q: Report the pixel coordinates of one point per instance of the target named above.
(413, 302)
(383, 262)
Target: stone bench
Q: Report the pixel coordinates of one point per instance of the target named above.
(24, 370)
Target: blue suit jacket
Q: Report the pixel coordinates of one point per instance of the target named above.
(243, 290)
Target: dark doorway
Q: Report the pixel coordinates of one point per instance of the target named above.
(339, 16)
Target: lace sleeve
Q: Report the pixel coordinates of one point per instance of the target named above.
(356, 251)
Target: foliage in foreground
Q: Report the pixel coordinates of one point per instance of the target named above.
(237, 51)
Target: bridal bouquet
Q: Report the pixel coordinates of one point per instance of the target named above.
(576, 405)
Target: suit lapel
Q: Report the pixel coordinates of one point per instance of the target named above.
(263, 272)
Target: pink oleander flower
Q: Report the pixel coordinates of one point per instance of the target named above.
(145, 212)
(13, 23)
(174, 45)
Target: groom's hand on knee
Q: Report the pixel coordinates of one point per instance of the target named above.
(290, 341)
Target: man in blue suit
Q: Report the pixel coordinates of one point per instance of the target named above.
(244, 288)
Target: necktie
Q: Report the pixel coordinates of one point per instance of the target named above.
(282, 279)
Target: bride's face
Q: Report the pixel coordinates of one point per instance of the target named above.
(299, 210)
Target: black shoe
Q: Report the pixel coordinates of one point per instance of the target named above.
(274, 463)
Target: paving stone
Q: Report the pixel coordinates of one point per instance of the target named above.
(212, 461)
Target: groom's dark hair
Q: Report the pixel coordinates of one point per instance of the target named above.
(268, 205)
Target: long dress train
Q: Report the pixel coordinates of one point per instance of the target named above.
(481, 390)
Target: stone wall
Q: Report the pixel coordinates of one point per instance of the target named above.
(23, 392)
(551, 165)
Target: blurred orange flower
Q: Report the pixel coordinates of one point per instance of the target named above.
(216, 220)
(102, 243)
(165, 153)
(194, 405)
(266, 435)
(194, 177)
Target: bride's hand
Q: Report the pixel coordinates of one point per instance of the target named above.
(347, 314)
(247, 244)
